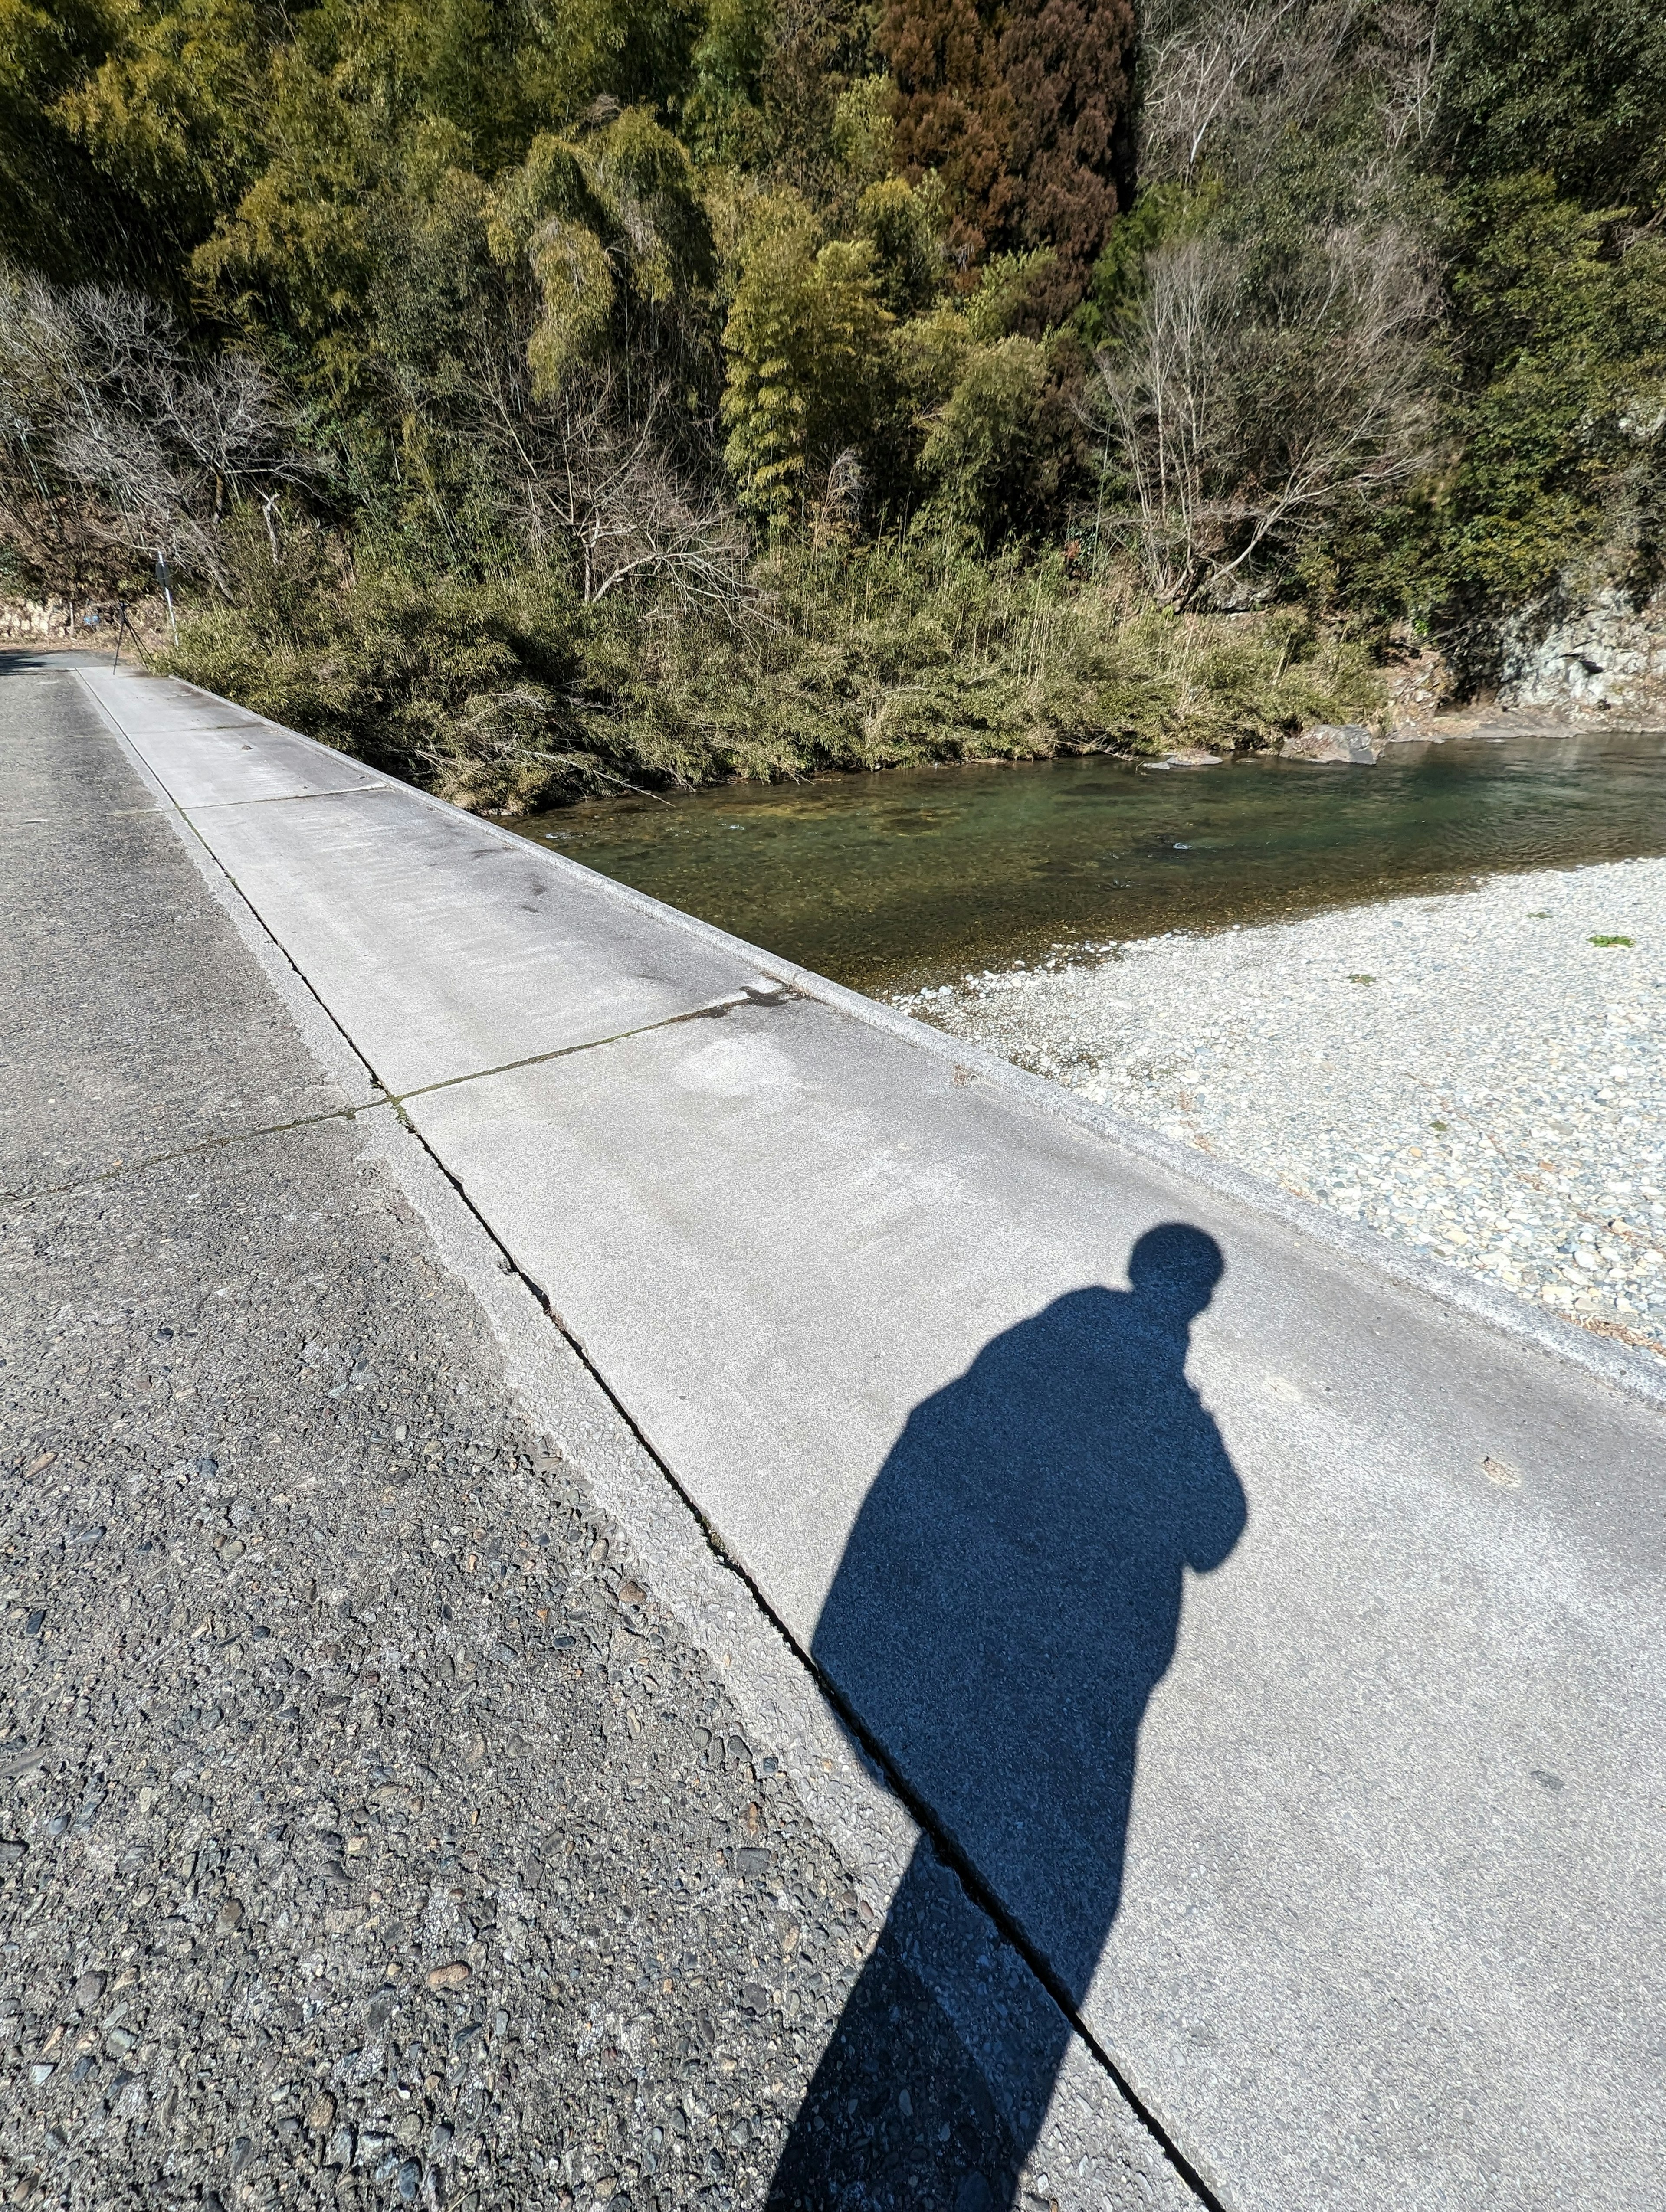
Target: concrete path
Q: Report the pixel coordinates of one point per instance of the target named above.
(381, 1825)
(1292, 1687)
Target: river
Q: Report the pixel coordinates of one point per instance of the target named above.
(913, 877)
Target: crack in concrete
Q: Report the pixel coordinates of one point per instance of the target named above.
(221, 1140)
(716, 1010)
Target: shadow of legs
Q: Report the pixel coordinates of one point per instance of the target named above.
(897, 2113)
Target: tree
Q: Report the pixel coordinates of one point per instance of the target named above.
(115, 442)
(1559, 317)
(613, 494)
(994, 459)
(1214, 72)
(723, 116)
(1243, 413)
(952, 114)
(1067, 65)
(769, 77)
(169, 114)
(1574, 88)
(904, 226)
(610, 226)
(806, 345)
(122, 123)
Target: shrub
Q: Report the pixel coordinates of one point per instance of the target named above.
(503, 691)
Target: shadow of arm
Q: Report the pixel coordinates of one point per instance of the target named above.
(1220, 1512)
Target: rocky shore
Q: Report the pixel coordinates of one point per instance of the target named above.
(1481, 1075)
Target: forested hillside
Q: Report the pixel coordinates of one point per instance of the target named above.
(561, 395)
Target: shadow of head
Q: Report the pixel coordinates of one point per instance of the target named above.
(1172, 1274)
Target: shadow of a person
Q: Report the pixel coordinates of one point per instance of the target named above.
(1008, 1599)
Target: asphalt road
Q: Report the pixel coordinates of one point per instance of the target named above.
(370, 1832)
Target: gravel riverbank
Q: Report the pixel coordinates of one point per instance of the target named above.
(1479, 1075)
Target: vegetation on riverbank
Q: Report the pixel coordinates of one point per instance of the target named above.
(550, 398)
(498, 690)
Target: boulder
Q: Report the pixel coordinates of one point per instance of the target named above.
(1349, 744)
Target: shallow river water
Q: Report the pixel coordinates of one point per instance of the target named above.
(893, 881)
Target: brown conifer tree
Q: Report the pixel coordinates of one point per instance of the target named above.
(1067, 66)
(951, 111)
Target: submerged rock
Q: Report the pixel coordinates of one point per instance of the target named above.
(1196, 758)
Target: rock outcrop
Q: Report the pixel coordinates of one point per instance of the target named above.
(1606, 656)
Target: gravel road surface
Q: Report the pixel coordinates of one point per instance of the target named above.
(1482, 1075)
(369, 1833)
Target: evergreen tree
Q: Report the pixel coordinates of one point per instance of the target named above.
(1067, 65)
(1576, 88)
(953, 114)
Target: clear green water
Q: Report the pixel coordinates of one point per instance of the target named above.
(914, 876)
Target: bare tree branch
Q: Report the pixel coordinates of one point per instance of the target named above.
(609, 488)
(1238, 75)
(1203, 66)
(1241, 419)
(116, 438)
(1411, 36)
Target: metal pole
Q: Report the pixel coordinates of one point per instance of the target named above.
(121, 632)
(162, 579)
